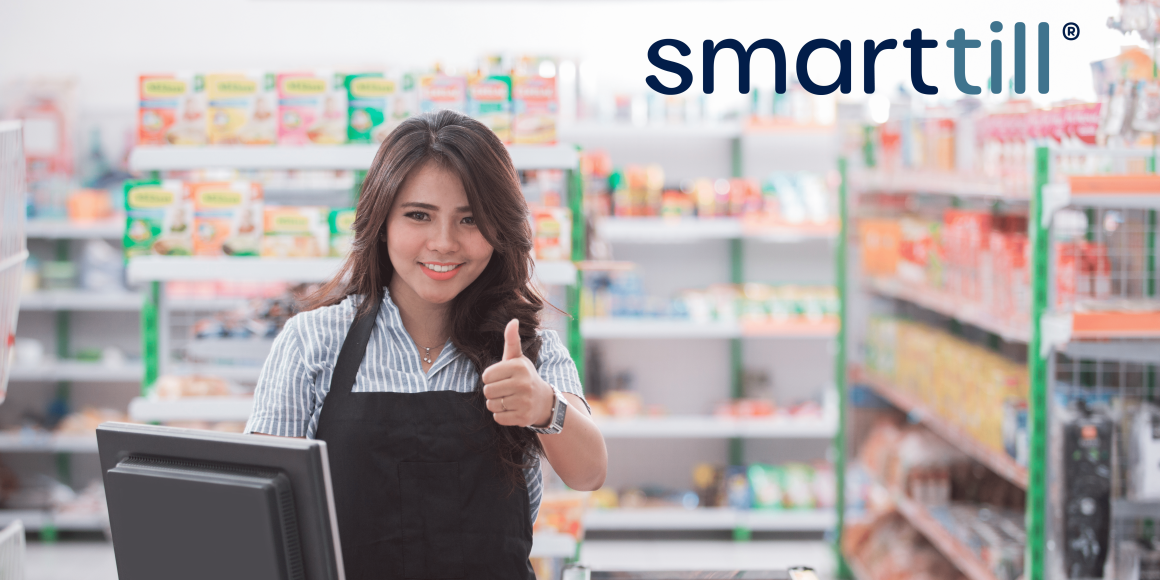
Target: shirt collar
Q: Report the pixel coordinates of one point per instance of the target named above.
(393, 322)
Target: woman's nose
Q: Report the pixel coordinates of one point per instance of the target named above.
(443, 239)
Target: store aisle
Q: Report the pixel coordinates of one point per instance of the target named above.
(71, 560)
(707, 555)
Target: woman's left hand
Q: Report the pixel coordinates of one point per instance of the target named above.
(516, 395)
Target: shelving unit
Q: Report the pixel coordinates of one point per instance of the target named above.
(75, 300)
(644, 519)
(46, 521)
(1048, 330)
(690, 230)
(77, 371)
(46, 443)
(698, 427)
(110, 229)
(191, 409)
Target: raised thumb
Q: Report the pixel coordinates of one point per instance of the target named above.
(511, 340)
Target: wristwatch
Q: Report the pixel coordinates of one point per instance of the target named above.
(556, 422)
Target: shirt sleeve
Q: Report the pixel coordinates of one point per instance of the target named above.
(284, 398)
(556, 367)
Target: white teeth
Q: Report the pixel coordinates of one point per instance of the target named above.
(438, 268)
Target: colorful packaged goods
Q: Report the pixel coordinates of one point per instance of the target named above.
(295, 232)
(534, 109)
(341, 224)
(489, 102)
(159, 219)
(227, 219)
(242, 109)
(172, 110)
(553, 231)
(371, 103)
(311, 108)
(440, 92)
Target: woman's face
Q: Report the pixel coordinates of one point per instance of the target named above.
(432, 240)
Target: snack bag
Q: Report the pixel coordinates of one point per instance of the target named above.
(553, 231)
(158, 219)
(311, 109)
(242, 109)
(227, 219)
(736, 489)
(438, 92)
(341, 222)
(489, 102)
(295, 232)
(534, 107)
(171, 110)
(369, 98)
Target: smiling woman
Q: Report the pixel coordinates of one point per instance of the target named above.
(422, 366)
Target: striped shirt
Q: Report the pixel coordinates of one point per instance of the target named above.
(296, 377)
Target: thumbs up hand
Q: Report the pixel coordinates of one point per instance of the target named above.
(516, 395)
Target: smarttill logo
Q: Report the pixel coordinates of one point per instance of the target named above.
(871, 51)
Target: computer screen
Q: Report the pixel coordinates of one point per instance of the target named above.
(186, 504)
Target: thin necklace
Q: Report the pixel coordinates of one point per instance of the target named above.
(427, 355)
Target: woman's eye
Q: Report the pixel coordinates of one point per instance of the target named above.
(418, 215)
(469, 220)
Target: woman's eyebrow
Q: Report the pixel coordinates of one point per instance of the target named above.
(427, 206)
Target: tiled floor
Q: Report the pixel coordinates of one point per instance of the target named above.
(92, 560)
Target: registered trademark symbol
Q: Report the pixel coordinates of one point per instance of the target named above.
(1071, 31)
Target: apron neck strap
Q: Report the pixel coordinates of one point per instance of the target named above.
(354, 348)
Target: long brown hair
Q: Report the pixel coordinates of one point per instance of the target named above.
(503, 291)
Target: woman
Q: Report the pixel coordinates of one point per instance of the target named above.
(415, 365)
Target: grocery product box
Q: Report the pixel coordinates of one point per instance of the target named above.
(442, 92)
(158, 219)
(295, 232)
(171, 109)
(534, 110)
(341, 225)
(370, 97)
(553, 230)
(489, 102)
(227, 218)
(242, 109)
(311, 108)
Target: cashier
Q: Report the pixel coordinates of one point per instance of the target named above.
(423, 366)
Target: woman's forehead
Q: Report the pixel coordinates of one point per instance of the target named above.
(435, 185)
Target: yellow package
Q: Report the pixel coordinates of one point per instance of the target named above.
(243, 108)
(295, 232)
(553, 231)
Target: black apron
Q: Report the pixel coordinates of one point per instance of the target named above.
(418, 490)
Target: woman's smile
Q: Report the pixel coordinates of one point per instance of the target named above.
(440, 270)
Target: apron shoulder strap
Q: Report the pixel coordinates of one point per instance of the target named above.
(354, 348)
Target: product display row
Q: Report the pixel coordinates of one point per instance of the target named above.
(332, 108)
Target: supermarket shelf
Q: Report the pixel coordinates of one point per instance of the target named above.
(161, 158)
(82, 300)
(1116, 324)
(1124, 509)
(165, 268)
(556, 272)
(111, 229)
(685, 230)
(818, 520)
(226, 348)
(996, 461)
(47, 443)
(84, 372)
(680, 328)
(36, 520)
(950, 306)
(1143, 352)
(656, 328)
(583, 132)
(242, 373)
(205, 304)
(191, 409)
(950, 546)
(553, 545)
(700, 427)
(931, 183)
(1118, 191)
